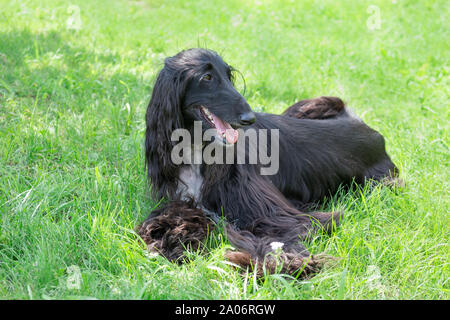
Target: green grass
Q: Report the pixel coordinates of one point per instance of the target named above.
(72, 176)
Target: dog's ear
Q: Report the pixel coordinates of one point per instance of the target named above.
(163, 116)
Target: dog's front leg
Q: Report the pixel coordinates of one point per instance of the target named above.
(264, 255)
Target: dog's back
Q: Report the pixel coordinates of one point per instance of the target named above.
(316, 156)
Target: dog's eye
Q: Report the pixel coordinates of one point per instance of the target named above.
(207, 77)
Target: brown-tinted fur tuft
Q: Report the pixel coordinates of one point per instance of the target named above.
(318, 108)
(285, 262)
(172, 230)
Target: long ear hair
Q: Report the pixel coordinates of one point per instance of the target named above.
(163, 117)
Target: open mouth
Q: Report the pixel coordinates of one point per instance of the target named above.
(224, 129)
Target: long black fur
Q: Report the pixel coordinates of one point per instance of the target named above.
(322, 147)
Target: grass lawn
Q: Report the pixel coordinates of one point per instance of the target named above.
(75, 80)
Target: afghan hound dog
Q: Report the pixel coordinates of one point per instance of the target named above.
(320, 146)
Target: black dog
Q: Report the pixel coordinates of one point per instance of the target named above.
(322, 146)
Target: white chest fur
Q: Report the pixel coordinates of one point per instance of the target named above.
(191, 181)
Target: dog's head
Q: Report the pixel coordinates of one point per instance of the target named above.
(194, 85)
(210, 96)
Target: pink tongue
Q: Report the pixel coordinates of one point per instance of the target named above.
(230, 134)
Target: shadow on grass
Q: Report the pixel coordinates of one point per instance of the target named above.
(48, 65)
(69, 112)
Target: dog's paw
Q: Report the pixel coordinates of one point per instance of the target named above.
(177, 228)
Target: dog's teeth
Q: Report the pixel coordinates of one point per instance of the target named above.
(208, 115)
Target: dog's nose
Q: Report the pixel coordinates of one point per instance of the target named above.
(247, 118)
